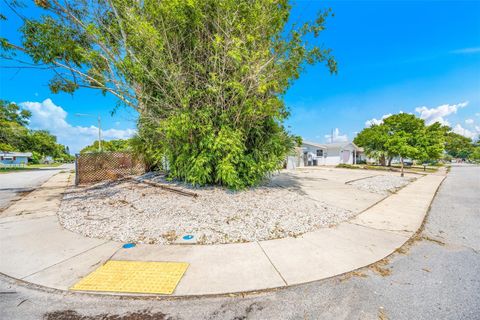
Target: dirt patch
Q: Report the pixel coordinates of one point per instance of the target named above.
(19, 196)
(73, 315)
(352, 274)
(380, 268)
(382, 315)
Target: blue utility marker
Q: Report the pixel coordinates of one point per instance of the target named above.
(128, 245)
(188, 237)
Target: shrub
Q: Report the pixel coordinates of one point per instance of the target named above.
(346, 166)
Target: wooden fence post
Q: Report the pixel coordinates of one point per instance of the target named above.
(77, 177)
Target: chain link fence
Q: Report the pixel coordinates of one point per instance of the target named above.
(96, 167)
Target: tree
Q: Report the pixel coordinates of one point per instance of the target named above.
(458, 146)
(399, 144)
(43, 142)
(6, 147)
(206, 76)
(112, 145)
(13, 131)
(11, 112)
(15, 136)
(475, 155)
(373, 140)
(431, 142)
(405, 136)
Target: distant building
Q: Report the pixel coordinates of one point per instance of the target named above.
(317, 154)
(14, 158)
(47, 160)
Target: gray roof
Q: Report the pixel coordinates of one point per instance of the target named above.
(15, 154)
(330, 145)
(339, 144)
(318, 145)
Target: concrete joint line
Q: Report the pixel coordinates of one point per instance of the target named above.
(28, 219)
(114, 252)
(64, 260)
(350, 181)
(386, 230)
(274, 267)
(371, 206)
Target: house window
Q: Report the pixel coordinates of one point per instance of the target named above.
(319, 153)
(14, 158)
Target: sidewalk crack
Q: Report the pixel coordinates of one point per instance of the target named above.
(64, 260)
(266, 255)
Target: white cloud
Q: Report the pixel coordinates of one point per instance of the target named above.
(373, 121)
(48, 116)
(467, 133)
(466, 50)
(337, 137)
(439, 113)
(469, 121)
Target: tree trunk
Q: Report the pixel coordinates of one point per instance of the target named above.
(401, 160)
(382, 161)
(390, 161)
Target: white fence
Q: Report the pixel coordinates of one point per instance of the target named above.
(12, 165)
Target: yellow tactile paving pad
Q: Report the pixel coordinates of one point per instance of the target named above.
(134, 277)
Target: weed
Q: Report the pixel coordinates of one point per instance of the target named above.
(379, 268)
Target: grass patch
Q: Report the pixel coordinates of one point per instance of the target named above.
(29, 167)
(347, 166)
(52, 165)
(396, 167)
(381, 168)
(417, 168)
(7, 170)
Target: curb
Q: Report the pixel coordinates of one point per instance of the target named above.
(408, 241)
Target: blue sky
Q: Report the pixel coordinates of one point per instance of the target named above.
(417, 57)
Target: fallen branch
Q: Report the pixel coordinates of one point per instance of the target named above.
(168, 188)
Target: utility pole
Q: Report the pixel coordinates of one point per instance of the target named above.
(331, 137)
(99, 133)
(99, 119)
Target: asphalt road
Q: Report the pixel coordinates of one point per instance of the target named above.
(435, 277)
(13, 183)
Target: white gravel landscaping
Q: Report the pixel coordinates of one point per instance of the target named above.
(382, 184)
(131, 212)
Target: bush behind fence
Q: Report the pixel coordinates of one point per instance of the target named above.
(96, 167)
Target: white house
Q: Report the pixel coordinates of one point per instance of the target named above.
(316, 154)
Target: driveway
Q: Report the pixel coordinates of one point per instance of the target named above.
(436, 277)
(13, 183)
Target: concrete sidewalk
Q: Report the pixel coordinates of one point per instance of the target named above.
(41, 202)
(34, 247)
(13, 184)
